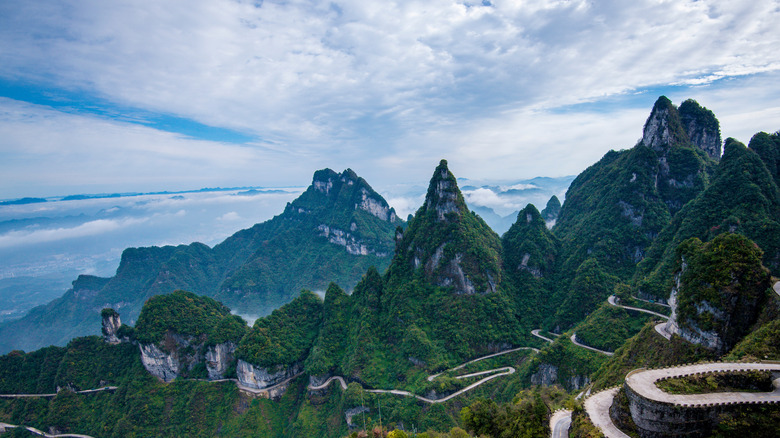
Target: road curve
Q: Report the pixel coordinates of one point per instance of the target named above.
(644, 384)
(86, 391)
(494, 373)
(433, 376)
(327, 382)
(505, 371)
(613, 301)
(536, 333)
(597, 407)
(6, 426)
(574, 341)
(560, 422)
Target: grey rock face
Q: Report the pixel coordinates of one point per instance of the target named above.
(546, 375)
(259, 377)
(702, 127)
(158, 363)
(445, 199)
(218, 358)
(111, 324)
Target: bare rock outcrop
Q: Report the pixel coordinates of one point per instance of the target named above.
(258, 377)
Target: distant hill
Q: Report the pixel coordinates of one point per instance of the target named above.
(333, 232)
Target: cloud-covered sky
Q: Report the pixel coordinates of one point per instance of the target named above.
(104, 96)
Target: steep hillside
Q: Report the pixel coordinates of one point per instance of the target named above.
(755, 213)
(333, 232)
(615, 208)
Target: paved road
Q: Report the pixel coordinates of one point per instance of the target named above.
(661, 329)
(536, 333)
(6, 426)
(574, 341)
(503, 372)
(613, 301)
(86, 391)
(597, 407)
(494, 373)
(776, 288)
(644, 384)
(327, 382)
(560, 422)
(431, 377)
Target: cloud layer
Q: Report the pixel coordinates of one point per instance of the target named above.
(383, 86)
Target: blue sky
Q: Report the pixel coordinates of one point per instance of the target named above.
(117, 96)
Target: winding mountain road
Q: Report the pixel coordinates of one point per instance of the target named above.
(5, 426)
(494, 373)
(643, 382)
(613, 301)
(86, 391)
(574, 341)
(536, 333)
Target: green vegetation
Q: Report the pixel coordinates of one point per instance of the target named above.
(285, 336)
(552, 209)
(768, 148)
(762, 344)
(188, 314)
(755, 213)
(523, 418)
(746, 381)
(253, 271)
(609, 327)
(726, 274)
(647, 349)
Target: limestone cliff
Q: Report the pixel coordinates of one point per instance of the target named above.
(111, 325)
(257, 377)
(177, 355)
(719, 290)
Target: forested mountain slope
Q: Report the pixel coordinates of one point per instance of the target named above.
(333, 232)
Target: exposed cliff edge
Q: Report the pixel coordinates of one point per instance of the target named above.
(719, 290)
(260, 378)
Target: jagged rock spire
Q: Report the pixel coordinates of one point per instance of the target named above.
(663, 128)
(453, 246)
(702, 127)
(443, 195)
(691, 124)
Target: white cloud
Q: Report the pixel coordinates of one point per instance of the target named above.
(229, 217)
(389, 87)
(488, 198)
(36, 235)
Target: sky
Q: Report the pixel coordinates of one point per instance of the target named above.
(113, 96)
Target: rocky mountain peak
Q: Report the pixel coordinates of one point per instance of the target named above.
(663, 128)
(702, 127)
(453, 246)
(443, 195)
(345, 190)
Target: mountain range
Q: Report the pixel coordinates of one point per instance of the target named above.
(419, 318)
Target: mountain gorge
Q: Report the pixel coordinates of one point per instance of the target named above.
(661, 254)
